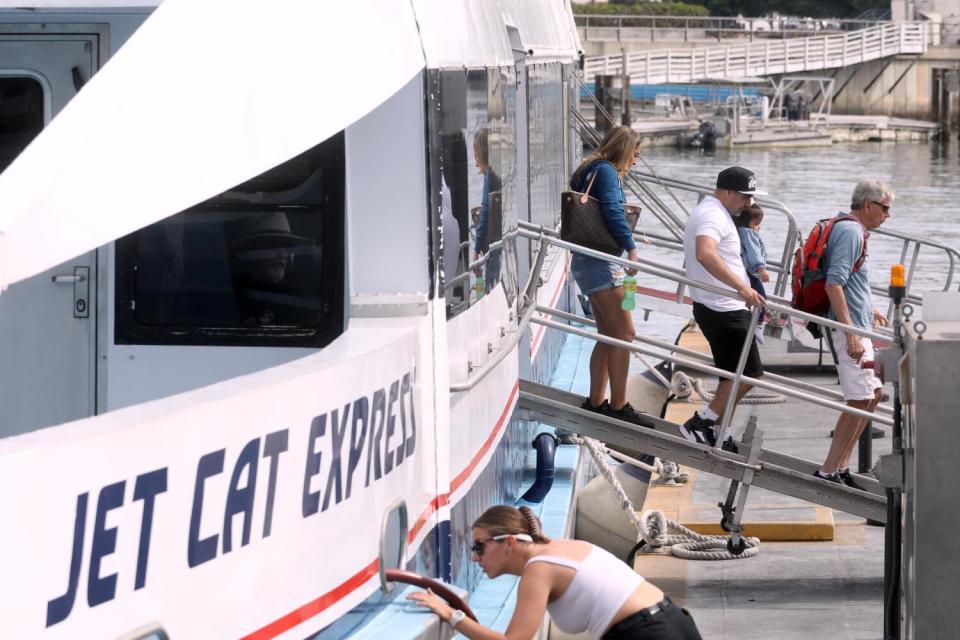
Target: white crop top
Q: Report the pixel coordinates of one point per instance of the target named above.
(602, 584)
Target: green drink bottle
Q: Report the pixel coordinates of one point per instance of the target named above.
(479, 287)
(629, 294)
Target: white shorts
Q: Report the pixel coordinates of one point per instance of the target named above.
(856, 383)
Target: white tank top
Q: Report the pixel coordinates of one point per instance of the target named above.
(598, 590)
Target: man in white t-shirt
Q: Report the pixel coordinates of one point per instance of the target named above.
(711, 248)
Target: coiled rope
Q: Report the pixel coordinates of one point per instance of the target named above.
(653, 527)
(683, 386)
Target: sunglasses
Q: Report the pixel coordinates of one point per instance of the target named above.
(477, 546)
(884, 207)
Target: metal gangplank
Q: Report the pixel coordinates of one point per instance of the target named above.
(752, 465)
(771, 470)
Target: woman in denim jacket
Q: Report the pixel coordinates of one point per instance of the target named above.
(602, 281)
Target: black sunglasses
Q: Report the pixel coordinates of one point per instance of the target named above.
(477, 546)
(885, 207)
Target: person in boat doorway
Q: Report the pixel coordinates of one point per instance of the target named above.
(583, 587)
(711, 247)
(848, 290)
(602, 281)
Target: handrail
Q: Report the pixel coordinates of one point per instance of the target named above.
(661, 27)
(768, 58)
(673, 348)
(479, 262)
(528, 298)
(648, 266)
(721, 373)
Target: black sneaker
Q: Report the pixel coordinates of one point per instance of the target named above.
(829, 477)
(847, 478)
(603, 408)
(629, 414)
(700, 430)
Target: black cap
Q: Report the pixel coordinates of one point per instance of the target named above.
(740, 180)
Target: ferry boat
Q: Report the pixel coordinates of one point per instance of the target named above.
(261, 289)
(270, 279)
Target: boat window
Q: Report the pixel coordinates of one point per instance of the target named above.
(472, 177)
(545, 137)
(258, 265)
(21, 116)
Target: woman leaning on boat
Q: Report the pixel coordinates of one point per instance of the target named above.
(602, 281)
(582, 586)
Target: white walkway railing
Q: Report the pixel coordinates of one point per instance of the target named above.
(753, 59)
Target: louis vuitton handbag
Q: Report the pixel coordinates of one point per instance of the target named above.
(582, 222)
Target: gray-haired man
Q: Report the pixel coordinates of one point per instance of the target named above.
(848, 289)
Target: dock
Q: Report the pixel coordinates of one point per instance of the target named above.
(819, 572)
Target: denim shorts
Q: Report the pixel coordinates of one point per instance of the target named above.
(593, 275)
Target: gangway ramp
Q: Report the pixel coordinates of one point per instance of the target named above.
(777, 472)
(754, 59)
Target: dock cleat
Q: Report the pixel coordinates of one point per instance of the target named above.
(629, 414)
(700, 430)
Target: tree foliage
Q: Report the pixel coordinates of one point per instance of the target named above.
(642, 9)
(753, 8)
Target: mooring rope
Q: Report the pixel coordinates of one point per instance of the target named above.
(683, 386)
(653, 527)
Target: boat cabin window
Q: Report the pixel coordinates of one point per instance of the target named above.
(258, 265)
(472, 177)
(21, 116)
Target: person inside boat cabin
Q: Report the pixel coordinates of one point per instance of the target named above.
(583, 587)
(848, 289)
(602, 281)
(711, 247)
(261, 261)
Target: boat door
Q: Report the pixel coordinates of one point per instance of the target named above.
(48, 322)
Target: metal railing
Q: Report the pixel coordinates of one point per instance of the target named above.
(784, 385)
(766, 58)
(526, 306)
(625, 28)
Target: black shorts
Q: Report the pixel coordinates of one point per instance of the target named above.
(726, 331)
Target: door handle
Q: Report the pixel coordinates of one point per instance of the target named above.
(80, 279)
(73, 278)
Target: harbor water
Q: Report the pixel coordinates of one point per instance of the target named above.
(817, 182)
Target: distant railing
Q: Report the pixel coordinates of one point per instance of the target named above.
(764, 58)
(622, 28)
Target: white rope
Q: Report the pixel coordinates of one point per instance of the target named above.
(653, 527)
(669, 472)
(683, 386)
(687, 543)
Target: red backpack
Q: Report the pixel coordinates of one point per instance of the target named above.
(809, 279)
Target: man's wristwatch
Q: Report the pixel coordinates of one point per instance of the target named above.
(455, 618)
